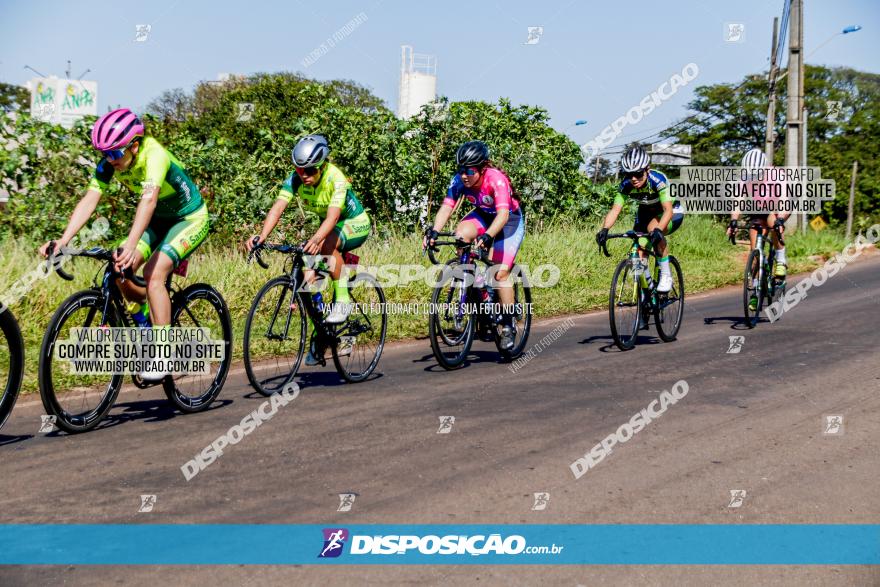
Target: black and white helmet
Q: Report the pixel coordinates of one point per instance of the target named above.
(753, 159)
(635, 159)
(310, 151)
(472, 154)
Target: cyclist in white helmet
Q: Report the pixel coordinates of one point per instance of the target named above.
(755, 159)
(656, 214)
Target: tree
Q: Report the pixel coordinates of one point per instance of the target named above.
(14, 97)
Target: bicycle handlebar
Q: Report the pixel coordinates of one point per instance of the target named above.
(755, 226)
(630, 234)
(285, 249)
(98, 253)
(482, 253)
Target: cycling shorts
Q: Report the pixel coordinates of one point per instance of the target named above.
(176, 237)
(352, 232)
(506, 244)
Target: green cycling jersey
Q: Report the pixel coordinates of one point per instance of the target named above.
(334, 190)
(154, 166)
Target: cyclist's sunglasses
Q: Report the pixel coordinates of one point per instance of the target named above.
(469, 171)
(307, 171)
(114, 154)
(634, 174)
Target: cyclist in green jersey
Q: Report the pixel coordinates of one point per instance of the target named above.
(322, 188)
(170, 218)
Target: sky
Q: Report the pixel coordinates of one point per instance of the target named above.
(594, 60)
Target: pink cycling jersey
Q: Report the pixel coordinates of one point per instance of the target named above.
(494, 192)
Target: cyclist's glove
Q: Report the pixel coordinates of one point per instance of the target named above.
(780, 223)
(431, 234)
(485, 240)
(734, 224)
(602, 237)
(656, 237)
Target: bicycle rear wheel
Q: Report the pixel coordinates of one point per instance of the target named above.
(362, 335)
(276, 325)
(200, 306)
(670, 306)
(78, 402)
(752, 284)
(450, 325)
(11, 362)
(624, 306)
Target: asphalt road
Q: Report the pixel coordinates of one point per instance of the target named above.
(752, 421)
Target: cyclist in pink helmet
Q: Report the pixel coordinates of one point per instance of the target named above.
(171, 217)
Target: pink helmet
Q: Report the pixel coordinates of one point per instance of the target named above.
(116, 129)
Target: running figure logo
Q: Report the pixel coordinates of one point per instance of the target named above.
(833, 424)
(147, 503)
(736, 498)
(534, 33)
(334, 540)
(541, 501)
(47, 424)
(736, 344)
(446, 423)
(346, 500)
(734, 32)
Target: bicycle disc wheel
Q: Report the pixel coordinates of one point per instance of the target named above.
(276, 329)
(200, 306)
(752, 288)
(624, 305)
(362, 335)
(11, 363)
(450, 325)
(78, 402)
(670, 306)
(522, 301)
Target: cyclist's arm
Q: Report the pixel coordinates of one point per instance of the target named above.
(78, 218)
(442, 216)
(497, 225)
(612, 215)
(143, 215)
(333, 214)
(272, 218)
(666, 218)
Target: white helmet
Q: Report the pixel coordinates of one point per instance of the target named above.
(635, 159)
(753, 159)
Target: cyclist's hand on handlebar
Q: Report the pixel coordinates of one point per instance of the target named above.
(656, 237)
(431, 236)
(484, 241)
(44, 250)
(602, 237)
(311, 247)
(779, 226)
(124, 257)
(731, 227)
(252, 242)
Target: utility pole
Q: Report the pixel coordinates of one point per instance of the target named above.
(852, 196)
(794, 105)
(769, 138)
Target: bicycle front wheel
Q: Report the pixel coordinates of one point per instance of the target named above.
(77, 401)
(276, 326)
(624, 305)
(11, 363)
(670, 306)
(451, 325)
(200, 306)
(522, 316)
(753, 297)
(361, 337)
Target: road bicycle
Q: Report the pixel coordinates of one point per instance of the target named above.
(465, 305)
(634, 298)
(11, 362)
(759, 282)
(278, 319)
(80, 402)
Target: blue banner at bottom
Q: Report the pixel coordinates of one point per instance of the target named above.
(489, 544)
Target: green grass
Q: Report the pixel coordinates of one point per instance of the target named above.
(707, 258)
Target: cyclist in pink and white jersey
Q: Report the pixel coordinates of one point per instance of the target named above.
(497, 220)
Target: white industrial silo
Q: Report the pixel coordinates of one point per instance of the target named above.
(418, 81)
